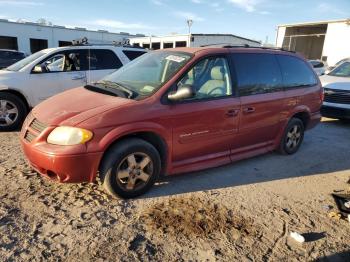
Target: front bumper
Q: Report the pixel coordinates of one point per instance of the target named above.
(75, 168)
(66, 164)
(335, 112)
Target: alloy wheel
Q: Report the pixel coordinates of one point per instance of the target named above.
(134, 171)
(293, 137)
(8, 113)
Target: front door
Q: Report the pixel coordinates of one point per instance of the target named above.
(44, 80)
(43, 86)
(204, 126)
(57, 73)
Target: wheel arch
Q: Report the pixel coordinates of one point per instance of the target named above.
(304, 116)
(150, 136)
(19, 95)
(302, 113)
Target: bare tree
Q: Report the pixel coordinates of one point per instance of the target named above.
(43, 21)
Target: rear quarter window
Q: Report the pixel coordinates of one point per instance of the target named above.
(257, 73)
(295, 72)
(133, 54)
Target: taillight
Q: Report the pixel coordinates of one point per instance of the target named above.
(322, 94)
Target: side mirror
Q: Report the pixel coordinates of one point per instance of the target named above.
(39, 69)
(183, 92)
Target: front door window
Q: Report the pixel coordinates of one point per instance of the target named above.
(210, 78)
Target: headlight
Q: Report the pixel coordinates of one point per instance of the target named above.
(68, 136)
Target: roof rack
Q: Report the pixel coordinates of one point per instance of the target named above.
(238, 46)
(247, 46)
(223, 45)
(84, 42)
(261, 47)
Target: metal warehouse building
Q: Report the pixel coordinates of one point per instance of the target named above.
(193, 40)
(325, 40)
(32, 37)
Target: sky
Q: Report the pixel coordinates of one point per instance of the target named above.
(255, 19)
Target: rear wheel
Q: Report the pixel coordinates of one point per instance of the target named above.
(12, 112)
(293, 137)
(130, 168)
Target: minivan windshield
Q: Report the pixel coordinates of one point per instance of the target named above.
(343, 70)
(26, 61)
(146, 74)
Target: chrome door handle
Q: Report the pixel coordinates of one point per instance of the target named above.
(249, 110)
(232, 112)
(78, 77)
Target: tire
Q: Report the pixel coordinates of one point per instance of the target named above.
(12, 112)
(125, 176)
(292, 138)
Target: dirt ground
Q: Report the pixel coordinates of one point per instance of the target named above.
(240, 212)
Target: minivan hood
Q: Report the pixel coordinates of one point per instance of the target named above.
(335, 82)
(75, 106)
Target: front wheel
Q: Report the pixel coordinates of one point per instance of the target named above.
(130, 168)
(292, 138)
(12, 112)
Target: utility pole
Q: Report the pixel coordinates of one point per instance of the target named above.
(189, 23)
(150, 42)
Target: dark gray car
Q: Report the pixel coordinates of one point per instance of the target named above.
(9, 57)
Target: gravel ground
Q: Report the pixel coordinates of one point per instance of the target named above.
(244, 211)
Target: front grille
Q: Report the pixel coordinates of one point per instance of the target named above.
(37, 126)
(33, 129)
(29, 136)
(337, 96)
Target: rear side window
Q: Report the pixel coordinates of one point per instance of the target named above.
(133, 54)
(11, 55)
(15, 55)
(102, 59)
(295, 72)
(257, 73)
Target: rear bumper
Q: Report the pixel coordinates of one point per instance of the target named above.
(75, 168)
(335, 112)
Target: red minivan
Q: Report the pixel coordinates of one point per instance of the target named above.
(174, 111)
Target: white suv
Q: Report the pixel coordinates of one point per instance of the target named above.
(28, 82)
(336, 86)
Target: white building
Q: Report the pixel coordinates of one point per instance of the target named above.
(325, 40)
(31, 37)
(193, 40)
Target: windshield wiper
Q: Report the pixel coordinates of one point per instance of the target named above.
(111, 85)
(105, 90)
